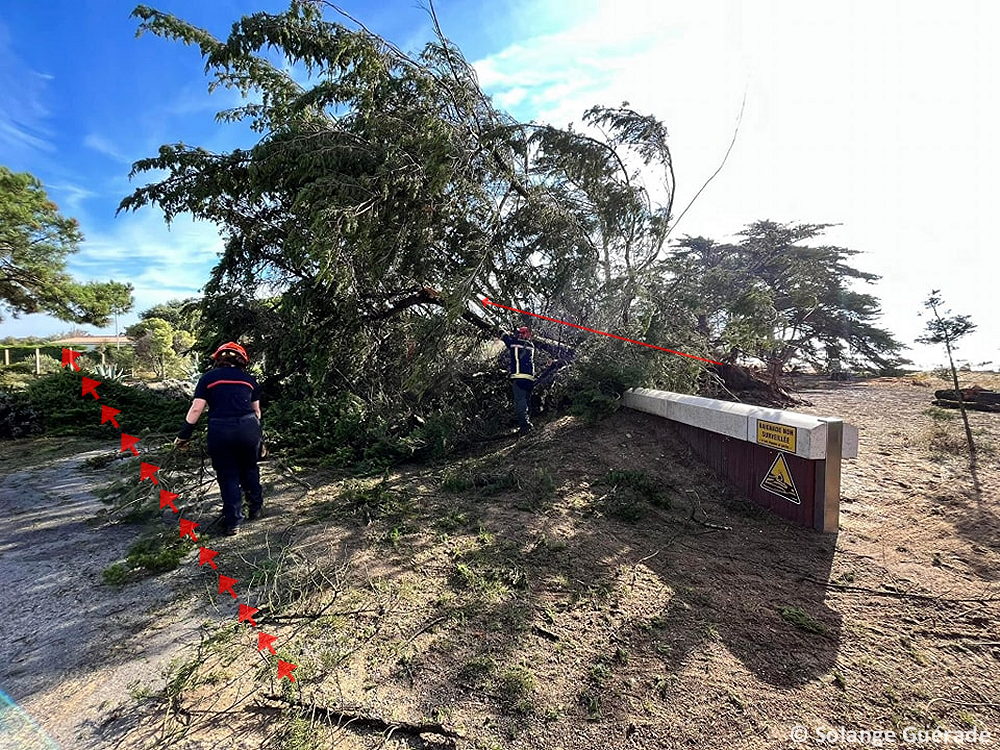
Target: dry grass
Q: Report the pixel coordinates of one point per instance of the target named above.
(509, 599)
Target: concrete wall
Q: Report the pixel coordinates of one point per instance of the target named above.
(741, 421)
(782, 460)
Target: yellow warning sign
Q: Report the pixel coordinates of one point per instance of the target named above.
(776, 435)
(779, 481)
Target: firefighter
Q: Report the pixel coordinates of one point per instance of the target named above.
(521, 365)
(234, 432)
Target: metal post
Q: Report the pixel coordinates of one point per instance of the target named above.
(827, 513)
(6, 357)
(38, 361)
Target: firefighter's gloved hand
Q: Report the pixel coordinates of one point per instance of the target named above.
(184, 435)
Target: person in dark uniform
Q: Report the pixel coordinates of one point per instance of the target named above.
(234, 432)
(521, 365)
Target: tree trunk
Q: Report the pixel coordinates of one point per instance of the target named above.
(961, 405)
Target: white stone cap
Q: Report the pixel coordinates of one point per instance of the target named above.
(799, 434)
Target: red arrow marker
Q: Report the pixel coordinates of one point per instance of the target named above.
(167, 498)
(187, 529)
(285, 670)
(264, 641)
(69, 358)
(90, 386)
(107, 413)
(128, 444)
(226, 585)
(148, 471)
(205, 556)
(247, 613)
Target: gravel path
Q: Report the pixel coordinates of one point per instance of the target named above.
(70, 646)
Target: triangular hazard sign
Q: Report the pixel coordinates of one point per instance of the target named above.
(779, 481)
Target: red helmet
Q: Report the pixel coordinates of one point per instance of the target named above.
(232, 346)
(524, 332)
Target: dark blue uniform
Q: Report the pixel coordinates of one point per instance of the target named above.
(521, 365)
(234, 438)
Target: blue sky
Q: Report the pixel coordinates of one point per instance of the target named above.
(877, 116)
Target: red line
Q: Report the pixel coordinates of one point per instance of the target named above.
(602, 333)
(229, 382)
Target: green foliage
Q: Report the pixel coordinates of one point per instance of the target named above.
(490, 569)
(945, 328)
(62, 410)
(604, 369)
(388, 193)
(110, 373)
(369, 501)
(161, 347)
(631, 494)
(639, 482)
(455, 480)
(477, 671)
(299, 734)
(380, 201)
(802, 620)
(182, 315)
(775, 298)
(34, 242)
(937, 414)
(516, 687)
(333, 430)
(115, 574)
(158, 553)
(18, 418)
(543, 486)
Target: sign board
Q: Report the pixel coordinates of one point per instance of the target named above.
(778, 481)
(782, 460)
(775, 435)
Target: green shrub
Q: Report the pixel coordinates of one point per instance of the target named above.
(110, 373)
(115, 574)
(605, 368)
(516, 687)
(18, 418)
(63, 411)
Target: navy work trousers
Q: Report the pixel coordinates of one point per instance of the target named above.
(522, 397)
(234, 445)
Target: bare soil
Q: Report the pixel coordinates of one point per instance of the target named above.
(588, 586)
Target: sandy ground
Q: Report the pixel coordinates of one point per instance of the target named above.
(570, 616)
(70, 646)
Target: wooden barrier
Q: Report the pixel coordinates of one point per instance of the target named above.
(782, 460)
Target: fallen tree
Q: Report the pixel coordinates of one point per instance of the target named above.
(975, 398)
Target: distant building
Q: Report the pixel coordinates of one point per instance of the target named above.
(92, 342)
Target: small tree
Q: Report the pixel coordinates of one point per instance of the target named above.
(945, 328)
(160, 346)
(183, 315)
(119, 300)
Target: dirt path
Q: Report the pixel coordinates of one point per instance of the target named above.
(71, 647)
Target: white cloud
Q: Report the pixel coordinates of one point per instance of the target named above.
(161, 262)
(23, 126)
(70, 197)
(880, 116)
(105, 146)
